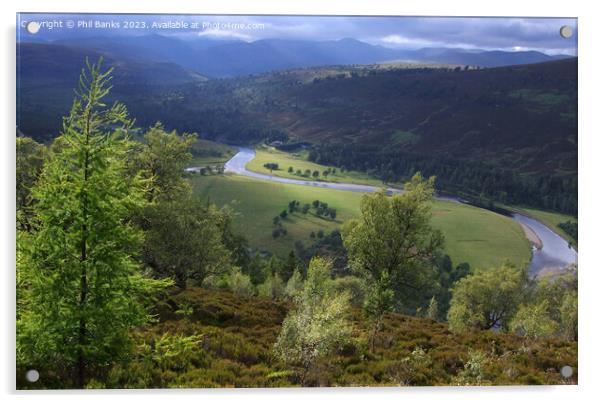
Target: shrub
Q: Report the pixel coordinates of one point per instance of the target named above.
(239, 283)
(411, 369)
(533, 321)
(294, 285)
(568, 315)
(473, 373)
(175, 352)
(354, 286)
(433, 310)
(273, 287)
(487, 299)
(318, 325)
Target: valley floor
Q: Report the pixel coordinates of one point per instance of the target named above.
(482, 238)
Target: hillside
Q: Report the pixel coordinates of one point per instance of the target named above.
(521, 116)
(47, 74)
(507, 134)
(237, 334)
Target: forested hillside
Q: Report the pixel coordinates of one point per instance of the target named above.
(506, 134)
(46, 73)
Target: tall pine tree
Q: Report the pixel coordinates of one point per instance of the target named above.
(83, 290)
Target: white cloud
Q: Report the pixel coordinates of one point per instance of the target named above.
(225, 34)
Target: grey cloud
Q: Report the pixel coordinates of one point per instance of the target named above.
(413, 32)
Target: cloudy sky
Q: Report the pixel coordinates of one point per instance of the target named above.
(541, 34)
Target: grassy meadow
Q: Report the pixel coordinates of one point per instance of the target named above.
(207, 152)
(479, 237)
(299, 160)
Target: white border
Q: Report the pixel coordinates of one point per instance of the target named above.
(589, 168)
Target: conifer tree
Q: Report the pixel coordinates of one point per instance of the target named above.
(84, 289)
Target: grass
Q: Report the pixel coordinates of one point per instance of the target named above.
(259, 201)
(477, 236)
(480, 237)
(551, 219)
(299, 161)
(207, 152)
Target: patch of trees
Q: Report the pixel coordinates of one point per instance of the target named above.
(328, 245)
(272, 166)
(270, 277)
(206, 152)
(320, 209)
(506, 298)
(309, 173)
(207, 170)
(292, 146)
(280, 229)
(106, 224)
(477, 180)
(184, 240)
(570, 227)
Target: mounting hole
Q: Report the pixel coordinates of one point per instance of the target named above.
(32, 27)
(566, 31)
(566, 371)
(32, 375)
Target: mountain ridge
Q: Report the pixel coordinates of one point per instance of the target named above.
(228, 58)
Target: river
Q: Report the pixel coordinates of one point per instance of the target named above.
(554, 255)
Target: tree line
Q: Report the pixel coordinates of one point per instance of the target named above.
(477, 180)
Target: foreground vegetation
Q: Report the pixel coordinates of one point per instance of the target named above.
(213, 338)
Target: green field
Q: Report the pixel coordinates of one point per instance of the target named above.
(480, 237)
(299, 161)
(477, 236)
(207, 152)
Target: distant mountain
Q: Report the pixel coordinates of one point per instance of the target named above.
(49, 62)
(479, 58)
(219, 58)
(47, 74)
(278, 54)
